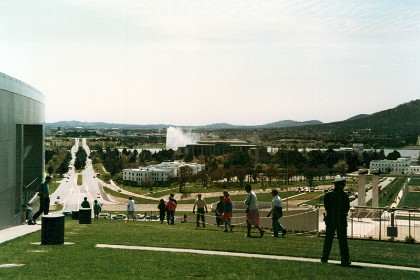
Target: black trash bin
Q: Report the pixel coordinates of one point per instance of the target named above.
(74, 215)
(85, 215)
(52, 229)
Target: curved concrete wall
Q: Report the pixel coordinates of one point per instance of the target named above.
(22, 117)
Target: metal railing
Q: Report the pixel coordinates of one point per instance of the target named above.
(380, 223)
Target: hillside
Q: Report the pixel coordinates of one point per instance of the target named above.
(395, 127)
(403, 119)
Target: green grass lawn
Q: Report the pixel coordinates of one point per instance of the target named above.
(415, 181)
(83, 260)
(412, 200)
(312, 198)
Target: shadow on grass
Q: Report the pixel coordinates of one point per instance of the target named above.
(351, 266)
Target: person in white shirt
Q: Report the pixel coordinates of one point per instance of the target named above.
(201, 207)
(277, 211)
(130, 209)
(252, 211)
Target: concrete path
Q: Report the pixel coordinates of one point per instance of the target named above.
(17, 231)
(247, 255)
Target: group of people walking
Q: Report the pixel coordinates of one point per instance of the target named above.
(253, 214)
(224, 210)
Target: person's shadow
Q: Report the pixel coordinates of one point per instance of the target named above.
(350, 266)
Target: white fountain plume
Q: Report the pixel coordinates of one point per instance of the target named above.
(176, 137)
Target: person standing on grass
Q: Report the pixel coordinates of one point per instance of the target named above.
(162, 210)
(170, 211)
(277, 211)
(337, 205)
(174, 200)
(85, 203)
(252, 211)
(227, 211)
(130, 209)
(44, 199)
(201, 207)
(96, 210)
(219, 211)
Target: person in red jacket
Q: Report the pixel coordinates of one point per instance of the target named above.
(227, 211)
(170, 211)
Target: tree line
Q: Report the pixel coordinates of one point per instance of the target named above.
(240, 166)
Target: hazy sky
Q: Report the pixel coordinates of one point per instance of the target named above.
(202, 62)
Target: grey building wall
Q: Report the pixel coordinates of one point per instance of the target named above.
(22, 117)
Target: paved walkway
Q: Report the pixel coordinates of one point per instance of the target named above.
(17, 231)
(247, 255)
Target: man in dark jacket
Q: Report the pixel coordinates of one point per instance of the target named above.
(85, 203)
(44, 199)
(337, 205)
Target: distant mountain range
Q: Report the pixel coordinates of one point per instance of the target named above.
(215, 126)
(403, 118)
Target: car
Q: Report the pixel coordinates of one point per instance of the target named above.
(139, 216)
(67, 213)
(58, 197)
(119, 217)
(119, 190)
(152, 217)
(104, 215)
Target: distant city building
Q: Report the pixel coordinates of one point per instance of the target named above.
(22, 153)
(400, 166)
(358, 147)
(216, 148)
(160, 172)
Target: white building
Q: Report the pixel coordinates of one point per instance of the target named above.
(146, 174)
(159, 173)
(400, 166)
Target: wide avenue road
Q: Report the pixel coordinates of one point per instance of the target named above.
(69, 193)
